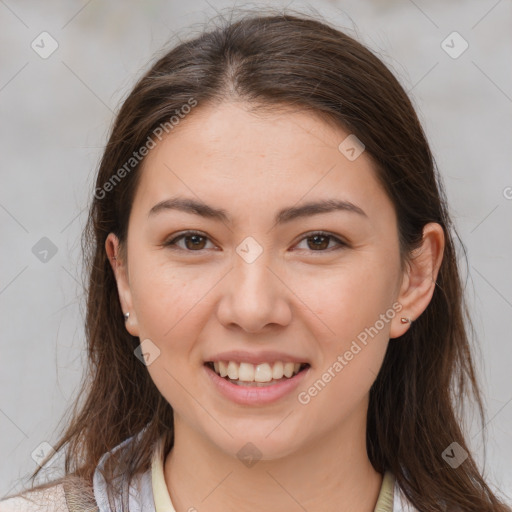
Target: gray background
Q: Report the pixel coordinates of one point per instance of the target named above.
(55, 115)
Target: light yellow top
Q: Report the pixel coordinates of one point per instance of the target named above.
(163, 501)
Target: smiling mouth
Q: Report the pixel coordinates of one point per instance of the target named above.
(264, 374)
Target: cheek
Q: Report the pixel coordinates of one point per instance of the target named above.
(356, 303)
(348, 299)
(170, 309)
(168, 300)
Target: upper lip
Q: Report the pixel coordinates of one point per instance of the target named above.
(242, 356)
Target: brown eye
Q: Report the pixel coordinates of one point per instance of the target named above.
(196, 242)
(319, 242)
(193, 242)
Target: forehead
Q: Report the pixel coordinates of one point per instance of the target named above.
(234, 131)
(237, 157)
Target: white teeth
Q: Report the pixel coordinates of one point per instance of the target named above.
(223, 369)
(246, 372)
(263, 372)
(232, 370)
(277, 370)
(288, 369)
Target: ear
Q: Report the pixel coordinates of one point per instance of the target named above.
(419, 278)
(123, 286)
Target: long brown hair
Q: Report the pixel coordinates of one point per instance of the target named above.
(273, 60)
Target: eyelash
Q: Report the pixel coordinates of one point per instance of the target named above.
(171, 244)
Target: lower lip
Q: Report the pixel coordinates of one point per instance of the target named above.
(255, 395)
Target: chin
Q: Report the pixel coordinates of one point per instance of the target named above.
(258, 442)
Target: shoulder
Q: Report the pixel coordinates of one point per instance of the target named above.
(52, 499)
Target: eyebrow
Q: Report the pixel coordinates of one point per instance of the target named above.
(285, 215)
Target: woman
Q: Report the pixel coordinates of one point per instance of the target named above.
(275, 316)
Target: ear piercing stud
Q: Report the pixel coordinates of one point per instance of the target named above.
(405, 320)
(126, 316)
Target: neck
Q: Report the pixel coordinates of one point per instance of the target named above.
(332, 474)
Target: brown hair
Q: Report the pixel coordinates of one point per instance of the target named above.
(272, 61)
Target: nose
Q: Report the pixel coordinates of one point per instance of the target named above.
(254, 297)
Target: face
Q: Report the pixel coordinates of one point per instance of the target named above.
(262, 285)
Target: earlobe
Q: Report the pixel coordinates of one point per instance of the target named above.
(123, 287)
(419, 279)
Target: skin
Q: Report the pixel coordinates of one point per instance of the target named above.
(294, 298)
